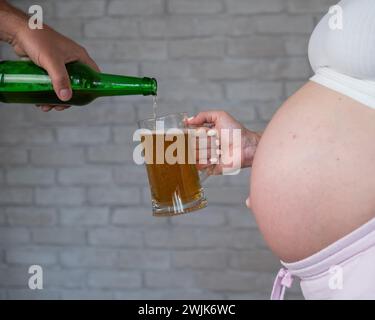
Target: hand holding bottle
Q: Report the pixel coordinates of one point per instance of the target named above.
(222, 120)
(45, 47)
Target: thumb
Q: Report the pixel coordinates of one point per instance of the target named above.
(60, 79)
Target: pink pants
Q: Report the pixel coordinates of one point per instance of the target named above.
(344, 270)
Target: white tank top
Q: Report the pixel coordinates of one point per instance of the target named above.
(343, 59)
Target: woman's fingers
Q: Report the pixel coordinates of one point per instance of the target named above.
(202, 167)
(212, 169)
(203, 131)
(206, 145)
(207, 154)
(204, 137)
(204, 117)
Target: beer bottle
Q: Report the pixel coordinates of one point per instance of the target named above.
(25, 82)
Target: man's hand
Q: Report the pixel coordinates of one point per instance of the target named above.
(45, 47)
(51, 51)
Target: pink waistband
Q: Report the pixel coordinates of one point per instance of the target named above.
(341, 250)
(352, 244)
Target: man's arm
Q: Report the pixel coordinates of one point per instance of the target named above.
(11, 21)
(45, 47)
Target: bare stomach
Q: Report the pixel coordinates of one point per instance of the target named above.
(313, 176)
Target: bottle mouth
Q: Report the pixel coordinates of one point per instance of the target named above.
(154, 87)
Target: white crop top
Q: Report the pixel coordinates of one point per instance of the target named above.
(343, 59)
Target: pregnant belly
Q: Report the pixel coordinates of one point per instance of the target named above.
(313, 176)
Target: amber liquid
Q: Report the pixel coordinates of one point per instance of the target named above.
(172, 185)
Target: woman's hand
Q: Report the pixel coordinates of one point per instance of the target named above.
(46, 48)
(242, 153)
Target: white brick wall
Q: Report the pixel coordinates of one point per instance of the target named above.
(71, 198)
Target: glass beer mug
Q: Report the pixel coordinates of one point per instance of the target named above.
(170, 159)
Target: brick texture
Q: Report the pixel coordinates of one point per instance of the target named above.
(73, 201)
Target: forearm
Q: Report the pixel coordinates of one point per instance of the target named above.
(250, 141)
(11, 21)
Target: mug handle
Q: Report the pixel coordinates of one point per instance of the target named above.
(205, 173)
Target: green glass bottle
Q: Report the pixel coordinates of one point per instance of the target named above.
(25, 82)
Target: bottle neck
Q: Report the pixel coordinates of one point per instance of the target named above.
(114, 85)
